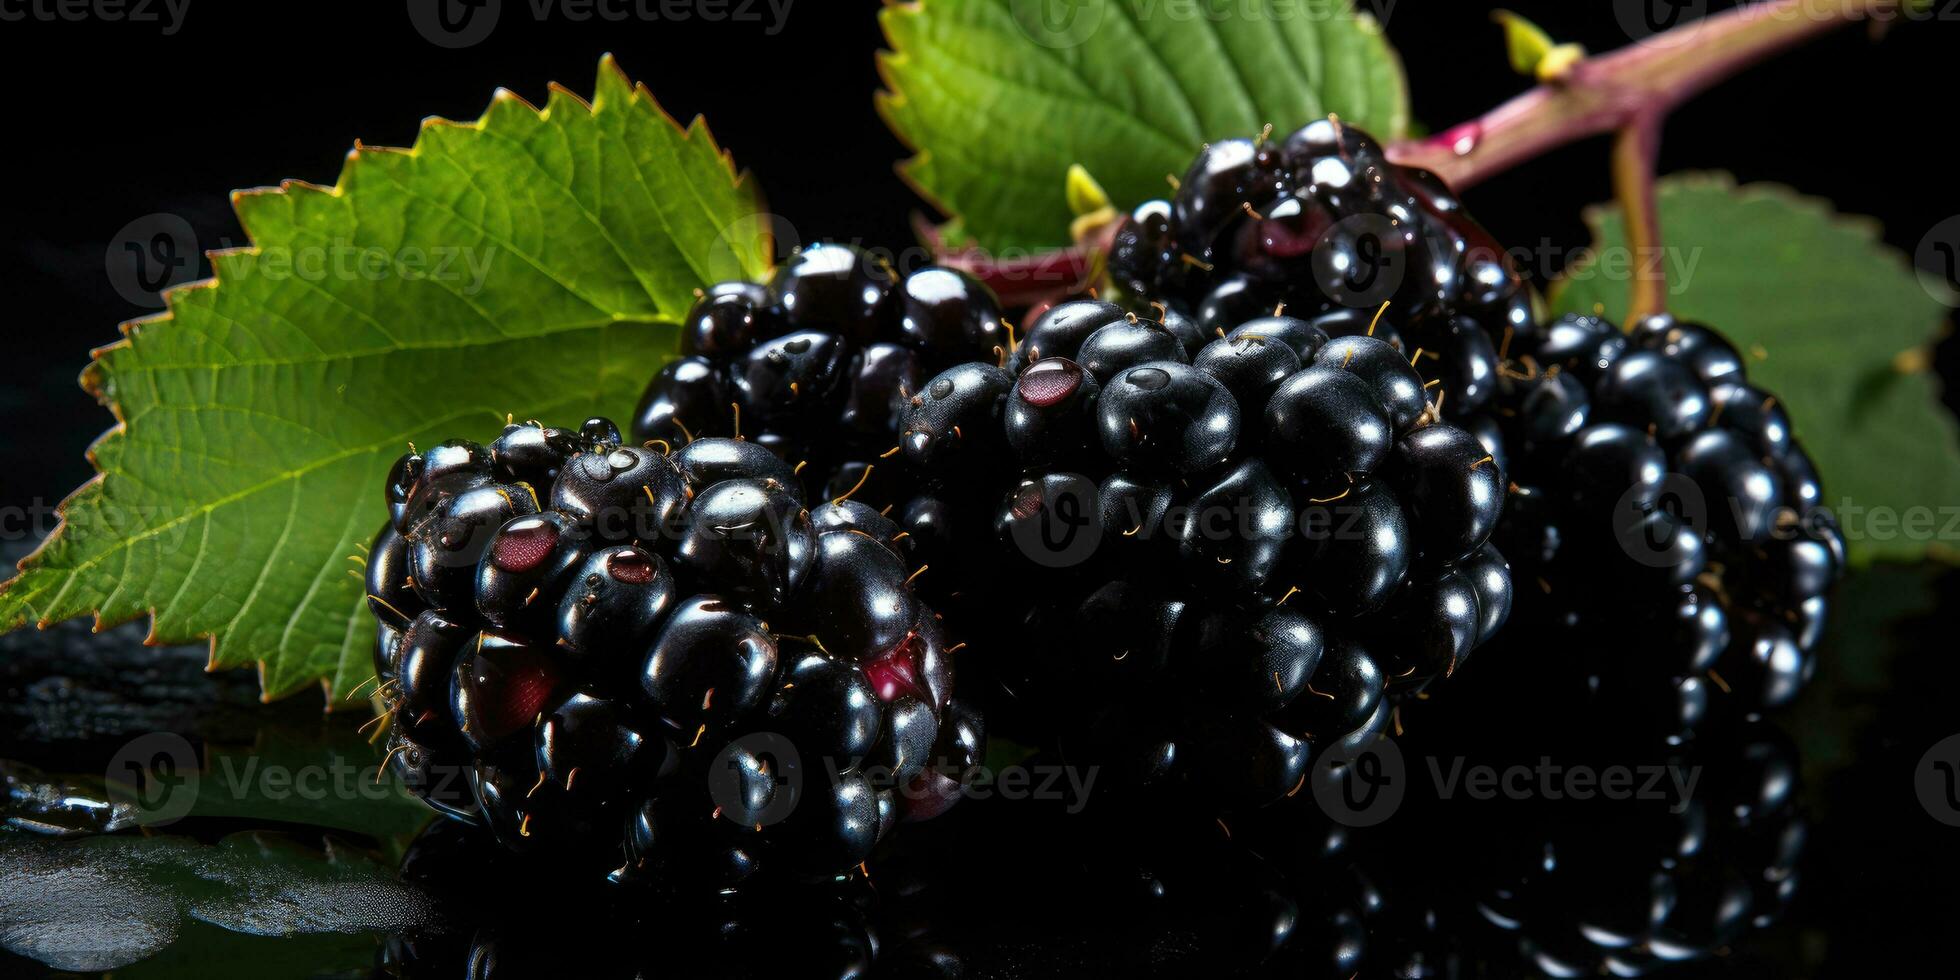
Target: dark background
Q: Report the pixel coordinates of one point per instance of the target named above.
(115, 121)
(110, 122)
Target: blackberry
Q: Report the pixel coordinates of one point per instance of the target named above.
(1187, 591)
(1642, 477)
(1322, 226)
(817, 364)
(659, 662)
(1666, 523)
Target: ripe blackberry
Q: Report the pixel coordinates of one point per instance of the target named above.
(658, 661)
(1322, 226)
(816, 364)
(1190, 590)
(1666, 524)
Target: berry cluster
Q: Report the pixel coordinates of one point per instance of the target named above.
(1658, 503)
(1631, 888)
(1667, 522)
(589, 645)
(1214, 553)
(816, 364)
(1322, 223)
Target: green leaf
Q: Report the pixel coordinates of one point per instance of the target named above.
(1836, 323)
(518, 264)
(999, 97)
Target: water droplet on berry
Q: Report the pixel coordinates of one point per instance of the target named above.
(631, 567)
(524, 545)
(1148, 379)
(1050, 382)
(941, 388)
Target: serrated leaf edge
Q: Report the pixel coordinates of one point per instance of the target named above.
(95, 380)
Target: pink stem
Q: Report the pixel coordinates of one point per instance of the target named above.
(1605, 93)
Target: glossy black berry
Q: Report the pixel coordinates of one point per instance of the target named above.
(1708, 354)
(446, 544)
(500, 688)
(1127, 343)
(706, 462)
(527, 568)
(1227, 176)
(527, 452)
(1452, 489)
(885, 376)
(1648, 388)
(1050, 416)
(594, 746)
(950, 316)
(797, 372)
(748, 539)
(1387, 371)
(955, 416)
(1167, 417)
(1740, 492)
(1250, 366)
(1060, 331)
(835, 287)
(614, 605)
(1429, 629)
(1327, 425)
(426, 658)
(1584, 346)
(1354, 549)
(390, 591)
(623, 493)
(827, 707)
(713, 662)
(859, 600)
(727, 319)
(1346, 689)
(688, 399)
(1233, 531)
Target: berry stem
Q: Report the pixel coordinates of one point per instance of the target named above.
(1635, 149)
(1609, 92)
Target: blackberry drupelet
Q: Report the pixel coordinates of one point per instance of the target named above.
(1207, 567)
(816, 364)
(1687, 519)
(1666, 524)
(1324, 227)
(662, 662)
